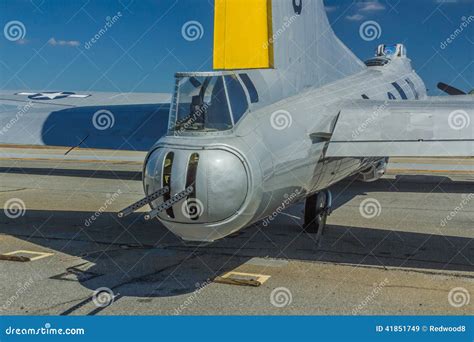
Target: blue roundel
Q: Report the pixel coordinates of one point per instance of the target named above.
(51, 95)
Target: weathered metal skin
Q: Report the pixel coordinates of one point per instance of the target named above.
(225, 197)
(221, 180)
(249, 172)
(275, 154)
(374, 172)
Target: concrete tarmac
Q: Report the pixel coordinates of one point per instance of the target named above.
(413, 256)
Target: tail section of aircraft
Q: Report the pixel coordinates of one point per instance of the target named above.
(292, 37)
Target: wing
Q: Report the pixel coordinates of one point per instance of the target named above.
(428, 128)
(80, 98)
(129, 121)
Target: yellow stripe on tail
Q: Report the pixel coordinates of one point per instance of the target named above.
(242, 34)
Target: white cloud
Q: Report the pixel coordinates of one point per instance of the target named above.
(364, 8)
(371, 6)
(355, 17)
(22, 41)
(330, 9)
(53, 42)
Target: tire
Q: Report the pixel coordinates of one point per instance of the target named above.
(315, 213)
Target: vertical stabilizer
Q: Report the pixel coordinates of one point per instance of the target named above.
(306, 48)
(242, 29)
(292, 37)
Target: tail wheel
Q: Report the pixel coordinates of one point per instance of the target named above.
(317, 210)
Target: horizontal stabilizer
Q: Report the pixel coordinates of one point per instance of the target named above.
(404, 129)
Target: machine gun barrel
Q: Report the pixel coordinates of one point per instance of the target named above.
(141, 203)
(168, 204)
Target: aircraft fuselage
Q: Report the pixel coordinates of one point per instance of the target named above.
(272, 158)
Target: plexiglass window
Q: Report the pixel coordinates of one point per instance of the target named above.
(200, 104)
(237, 97)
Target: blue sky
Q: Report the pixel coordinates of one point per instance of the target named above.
(143, 45)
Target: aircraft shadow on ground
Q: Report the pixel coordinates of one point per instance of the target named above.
(82, 173)
(348, 189)
(401, 183)
(143, 259)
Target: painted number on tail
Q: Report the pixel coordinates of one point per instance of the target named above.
(298, 6)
